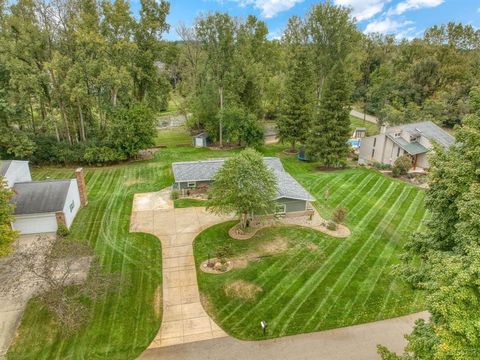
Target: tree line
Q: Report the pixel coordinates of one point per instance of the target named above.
(79, 78)
(83, 80)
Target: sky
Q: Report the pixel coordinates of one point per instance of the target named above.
(403, 18)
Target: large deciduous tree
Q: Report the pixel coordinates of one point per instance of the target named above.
(444, 259)
(244, 186)
(7, 234)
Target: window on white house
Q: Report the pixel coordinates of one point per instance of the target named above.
(373, 153)
(398, 152)
(398, 134)
(72, 205)
(192, 185)
(280, 208)
(374, 142)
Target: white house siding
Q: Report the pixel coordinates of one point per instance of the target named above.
(18, 171)
(35, 223)
(72, 203)
(366, 152)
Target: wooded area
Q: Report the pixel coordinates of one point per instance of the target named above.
(76, 74)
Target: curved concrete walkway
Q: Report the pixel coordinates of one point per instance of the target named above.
(357, 342)
(184, 319)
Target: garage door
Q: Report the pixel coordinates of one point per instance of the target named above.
(35, 224)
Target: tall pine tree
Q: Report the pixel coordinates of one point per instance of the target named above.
(293, 124)
(330, 128)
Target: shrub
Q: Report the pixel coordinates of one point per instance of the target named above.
(402, 165)
(339, 214)
(332, 225)
(223, 252)
(381, 166)
(174, 195)
(62, 231)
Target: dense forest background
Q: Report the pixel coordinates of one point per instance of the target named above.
(84, 80)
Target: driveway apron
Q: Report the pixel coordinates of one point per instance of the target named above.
(184, 319)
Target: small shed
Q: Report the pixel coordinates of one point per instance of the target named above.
(359, 133)
(200, 140)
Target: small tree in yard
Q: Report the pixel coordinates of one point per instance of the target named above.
(244, 185)
(7, 235)
(64, 276)
(339, 215)
(401, 166)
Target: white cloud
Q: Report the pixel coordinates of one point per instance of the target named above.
(413, 5)
(388, 26)
(270, 8)
(364, 9)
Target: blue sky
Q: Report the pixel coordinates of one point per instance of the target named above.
(404, 18)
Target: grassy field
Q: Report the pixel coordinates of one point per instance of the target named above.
(173, 137)
(318, 282)
(123, 323)
(372, 129)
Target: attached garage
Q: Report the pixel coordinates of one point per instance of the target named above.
(35, 223)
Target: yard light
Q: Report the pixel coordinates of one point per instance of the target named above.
(264, 325)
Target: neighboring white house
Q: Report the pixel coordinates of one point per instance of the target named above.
(40, 206)
(414, 140)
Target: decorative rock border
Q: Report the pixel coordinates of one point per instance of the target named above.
(208, 270)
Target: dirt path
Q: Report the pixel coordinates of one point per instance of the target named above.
(184, 319)
(354, 342)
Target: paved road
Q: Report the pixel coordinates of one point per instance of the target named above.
(362, 116)
(355, 342)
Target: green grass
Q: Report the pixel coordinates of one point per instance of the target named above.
(123, 323)
(184, 203)
(173, 137)
(372, 129)
(343, 282)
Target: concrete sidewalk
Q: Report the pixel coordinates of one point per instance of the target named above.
(357, 342)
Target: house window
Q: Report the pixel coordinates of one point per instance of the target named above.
(280, 209)
(192, 185)
(374, 142)
(373, 153)
(398, 152)
(72, 205)
(397, 134)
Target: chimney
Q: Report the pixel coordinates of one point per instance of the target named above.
(82, 189)
(383, 128)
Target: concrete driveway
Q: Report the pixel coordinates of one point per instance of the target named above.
(184, 319)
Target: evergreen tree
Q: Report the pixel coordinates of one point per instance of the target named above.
(294, 120)
(330, 128)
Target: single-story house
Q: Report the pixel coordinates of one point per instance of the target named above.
(40, 206)
(414, 140)
(291, 196)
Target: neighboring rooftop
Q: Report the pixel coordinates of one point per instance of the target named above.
(205, 170)
(4, 165)
(431, 131)
(35, 197)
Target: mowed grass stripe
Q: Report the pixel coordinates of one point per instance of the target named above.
(302, 295)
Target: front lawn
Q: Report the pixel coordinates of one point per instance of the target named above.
(316, 282)
(123, 324)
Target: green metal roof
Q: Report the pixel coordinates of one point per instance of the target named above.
(413, 148)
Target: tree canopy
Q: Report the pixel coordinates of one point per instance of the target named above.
(244, 185)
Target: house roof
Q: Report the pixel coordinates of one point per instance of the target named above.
(36, 197)
(205, 170)
(412, 148)
(202, 135)
(431, 131)
(4, 165)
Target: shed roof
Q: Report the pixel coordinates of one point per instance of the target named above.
(205, 170)
(36, 197)
(202, 135)
(431, 131)
(412, 148)
(4, 165)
